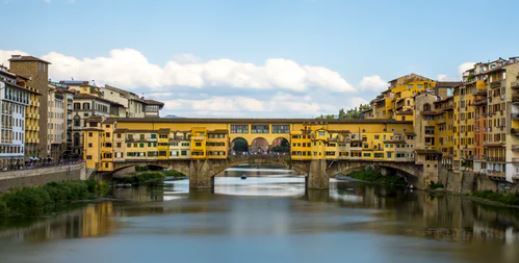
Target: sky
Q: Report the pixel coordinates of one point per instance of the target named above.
(284, 58)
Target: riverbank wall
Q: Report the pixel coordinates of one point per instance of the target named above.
(466, 182)
(40, 176)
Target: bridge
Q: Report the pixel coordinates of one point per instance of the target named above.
(204, 148)
(201, 173)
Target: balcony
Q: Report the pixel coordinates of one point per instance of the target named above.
(479, 102)
(515, 99)
(496, 174)
(198, 138)
(515, 84)
(496, 84)
(514, 131)
(515, 148)
(481, 92)
(495, 159)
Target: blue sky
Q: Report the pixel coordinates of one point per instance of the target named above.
(285, 58)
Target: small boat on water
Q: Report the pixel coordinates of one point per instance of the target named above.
(243, 177)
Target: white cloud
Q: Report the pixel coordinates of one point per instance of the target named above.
(373, 83)
(279, 105)
(464, 67)
(239, 106)
(443, 77)
(129, 68)
(5, 55)
(190, 86)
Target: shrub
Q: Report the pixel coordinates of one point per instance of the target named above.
(29, 201)
(35, 201)
(509, 199)
(3, 209)
(435, 185)
(148, 178)
(173, 173)
(372, 175)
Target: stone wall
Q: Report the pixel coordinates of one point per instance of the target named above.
(39, 176)
(468, 182)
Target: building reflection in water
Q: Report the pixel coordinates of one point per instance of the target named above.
(94, 220)
(436, 216)
(378, 209)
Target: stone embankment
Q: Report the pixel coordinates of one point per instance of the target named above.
(41, 176)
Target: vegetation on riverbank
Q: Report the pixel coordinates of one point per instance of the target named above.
(144, 176)
(503, 198)
(435, 186)
(374, 176)
(52, 197)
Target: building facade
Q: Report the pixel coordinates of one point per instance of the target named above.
(14, 100)
(56, 126)
(37, 71)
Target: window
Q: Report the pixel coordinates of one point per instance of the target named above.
(280, 128)
(239, 128)
(429, 130)
(260, 128)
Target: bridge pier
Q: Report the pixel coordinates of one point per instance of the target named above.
(200, 174)
(318, 178)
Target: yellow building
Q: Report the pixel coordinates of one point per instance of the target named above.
(397, 102)
(120, 140)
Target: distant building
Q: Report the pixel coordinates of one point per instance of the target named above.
(15, 98)
(36, 70)
(56, 125)
(152, 108)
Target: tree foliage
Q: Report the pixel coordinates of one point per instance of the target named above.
(350, 114)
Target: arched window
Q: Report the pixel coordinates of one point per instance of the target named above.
(426, 107)
(77, 121)
(76, 139)
(86, 106)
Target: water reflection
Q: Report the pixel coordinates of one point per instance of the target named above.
(372, 222)
(93, 220)
(257, 186)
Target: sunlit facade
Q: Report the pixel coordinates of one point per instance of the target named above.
(120, 140)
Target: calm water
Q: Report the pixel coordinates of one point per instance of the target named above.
(270, 220)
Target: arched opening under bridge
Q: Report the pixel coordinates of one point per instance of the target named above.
(386, 174)
(239, 145)
(259, 145)
(280, 145)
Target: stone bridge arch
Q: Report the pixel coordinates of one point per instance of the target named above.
(127, 167)
(408, 170)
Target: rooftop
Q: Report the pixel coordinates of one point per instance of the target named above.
(259, 120)
(27, 58)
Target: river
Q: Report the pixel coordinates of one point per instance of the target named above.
(269, 219)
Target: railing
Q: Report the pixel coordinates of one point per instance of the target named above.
(495, 159)
(496, 84)
(42, 163)
(495, 173)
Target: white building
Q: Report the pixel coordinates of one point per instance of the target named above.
(56, 125)
(14, 98)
